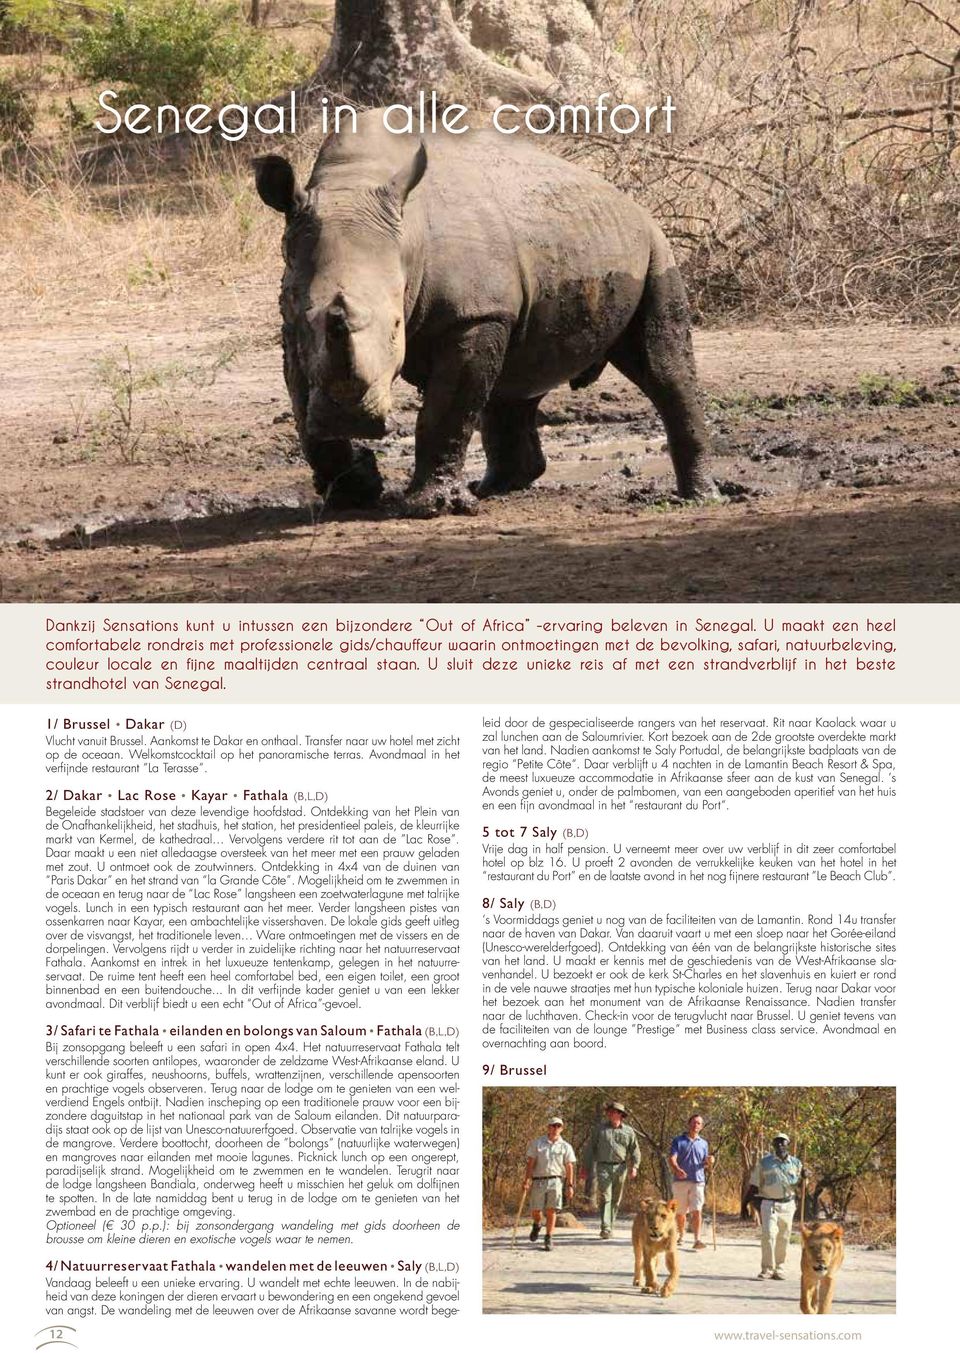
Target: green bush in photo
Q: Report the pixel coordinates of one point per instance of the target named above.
(35, 23)
(180, 52)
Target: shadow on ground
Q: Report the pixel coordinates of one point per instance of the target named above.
(904, 548)
(583, 1275)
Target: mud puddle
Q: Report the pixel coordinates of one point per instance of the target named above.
(582, 465)
(246, 512)
(616, 472)
(642, 463)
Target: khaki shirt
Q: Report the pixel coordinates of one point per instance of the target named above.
(550, 1159)
(775, 1178)
(614, 1146)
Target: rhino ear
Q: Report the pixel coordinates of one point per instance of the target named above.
(277, 183)
(403, 183)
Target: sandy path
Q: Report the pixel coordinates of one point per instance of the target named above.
(46, 363)
(584, 1275)
(35, 345)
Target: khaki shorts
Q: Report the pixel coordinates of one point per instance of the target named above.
(546, 1193)
(689, 1195)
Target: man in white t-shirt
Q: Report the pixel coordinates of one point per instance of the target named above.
(550, 1162)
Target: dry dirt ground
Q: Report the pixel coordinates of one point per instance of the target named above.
(152, 458)
(586, 1275)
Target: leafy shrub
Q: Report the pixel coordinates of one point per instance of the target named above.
(181, 51)
(29, 25)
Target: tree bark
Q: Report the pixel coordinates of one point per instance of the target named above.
(521, 50)
(387, 50)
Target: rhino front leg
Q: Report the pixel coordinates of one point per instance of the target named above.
(344, 476)
(461, 378)
(341, 476)
(512, 446)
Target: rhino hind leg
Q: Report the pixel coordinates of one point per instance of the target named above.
(656, 353)
(511, 443)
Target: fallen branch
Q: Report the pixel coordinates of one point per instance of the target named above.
(847, 115)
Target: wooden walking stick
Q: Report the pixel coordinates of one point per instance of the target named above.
(803, 1188)
(516, 1224)
(756, 1210)
(713, 1191)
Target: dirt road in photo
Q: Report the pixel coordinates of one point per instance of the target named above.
(586, 1275)
(154, 459)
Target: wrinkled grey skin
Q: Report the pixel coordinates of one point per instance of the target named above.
(487, 273)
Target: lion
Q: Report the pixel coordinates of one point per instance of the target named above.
(655, 1233)
(822, 1257)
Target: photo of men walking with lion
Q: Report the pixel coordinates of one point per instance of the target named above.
(736, 1200)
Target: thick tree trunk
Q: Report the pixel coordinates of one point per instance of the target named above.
(522, 50)
(386, 50)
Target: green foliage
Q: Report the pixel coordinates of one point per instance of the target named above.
(851, 1139)
(35, 19)
(142, 414)
(180, 52)
(880, 389)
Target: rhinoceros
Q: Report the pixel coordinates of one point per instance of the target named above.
(486, 272)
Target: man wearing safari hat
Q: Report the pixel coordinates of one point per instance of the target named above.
(613, 1156)
(550, 1162)
(775, 1178)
